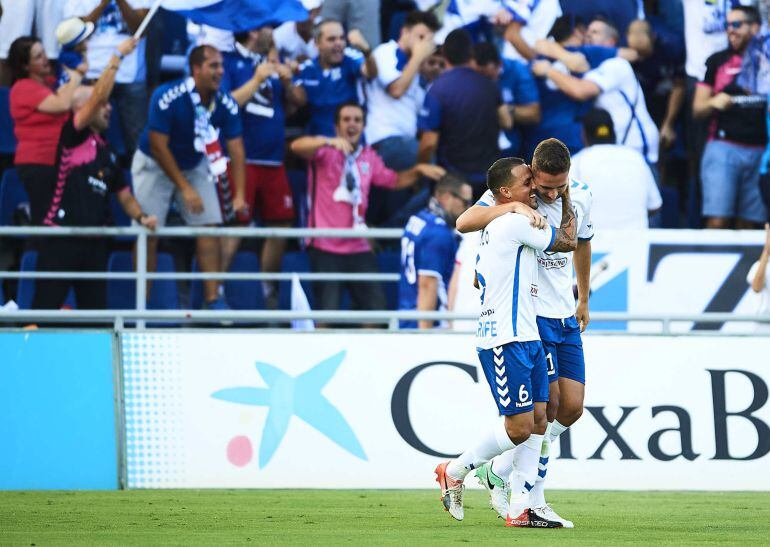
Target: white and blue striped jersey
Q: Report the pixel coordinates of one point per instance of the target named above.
(556, 299)
(507, 272)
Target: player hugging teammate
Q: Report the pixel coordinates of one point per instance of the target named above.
(528, 339)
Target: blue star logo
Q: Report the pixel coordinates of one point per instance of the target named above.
(287, 396)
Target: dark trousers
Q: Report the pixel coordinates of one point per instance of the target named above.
(39, 182)
(59, 254)
(364, 295)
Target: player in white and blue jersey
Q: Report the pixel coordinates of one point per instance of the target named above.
(428, 249)
(559, 321)
(508, 342)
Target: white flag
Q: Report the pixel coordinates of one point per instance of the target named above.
(299, 303)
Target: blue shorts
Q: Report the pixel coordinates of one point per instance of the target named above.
(730, 178)
(516, 373)
(563, 348)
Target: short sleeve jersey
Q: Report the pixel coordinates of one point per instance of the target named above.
(556, 299)
(172, 113)
(428, 247)
(328, 88)
(87, 174)
(507, 272)
(461, 106)
(263, 114)
(744, 121)
(388, 116)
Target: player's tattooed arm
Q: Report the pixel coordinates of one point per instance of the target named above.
(566, 233)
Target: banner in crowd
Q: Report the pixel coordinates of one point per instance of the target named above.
(57, 411)
(656, 272)
(321, 410)
(238, 15)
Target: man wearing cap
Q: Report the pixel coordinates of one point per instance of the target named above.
(620, 202)
(114, 22)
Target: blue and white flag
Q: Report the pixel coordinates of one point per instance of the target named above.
(238, 15)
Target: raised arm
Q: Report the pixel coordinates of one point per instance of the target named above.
(575, 88)
(566, 233)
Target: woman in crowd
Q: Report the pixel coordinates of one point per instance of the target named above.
(38, 113)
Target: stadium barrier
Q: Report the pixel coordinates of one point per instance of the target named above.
(256, 409)
(663, 273)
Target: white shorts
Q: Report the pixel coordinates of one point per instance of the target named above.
(17, 19)
(154, 191)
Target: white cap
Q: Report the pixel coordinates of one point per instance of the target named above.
(312, 4)
(73, 31)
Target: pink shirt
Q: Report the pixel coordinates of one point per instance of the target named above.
(324, 174)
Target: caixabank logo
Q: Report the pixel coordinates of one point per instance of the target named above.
(285, 397)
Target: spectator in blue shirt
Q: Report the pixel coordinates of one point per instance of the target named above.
(518, 89)
(560, 114)
(462, 116)
(261, 86)
(428, 249)
(180, 158)
(333, 77)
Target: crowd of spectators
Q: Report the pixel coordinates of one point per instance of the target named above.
(390, 108)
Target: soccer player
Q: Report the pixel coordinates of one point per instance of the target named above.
(508, 343)
(559, 322)
(428, 250)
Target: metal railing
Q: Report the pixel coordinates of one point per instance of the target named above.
(140, 315)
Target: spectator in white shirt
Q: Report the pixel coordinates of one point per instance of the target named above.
(532, 21)
(395, 95)
(614, 86)
(294, 39)
(18, 18)
(116, 21)
(624, 191)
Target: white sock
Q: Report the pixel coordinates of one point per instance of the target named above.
(537, 495)
(524, 473)
(502, 465)
(557, 429)
(493, 443)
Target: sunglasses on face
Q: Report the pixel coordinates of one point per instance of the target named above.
(734, 25)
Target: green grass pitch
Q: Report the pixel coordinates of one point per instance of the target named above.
(332, 517)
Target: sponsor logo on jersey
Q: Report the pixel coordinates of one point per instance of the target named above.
(552, 263)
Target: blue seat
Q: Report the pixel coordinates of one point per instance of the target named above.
(26, 289)
(12, 194)
(298, 184)
(7, 138)
(240, 295)
(121, 294)
(390, 262)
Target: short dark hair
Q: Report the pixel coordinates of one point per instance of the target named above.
(486, 53)
(427, 18)
(19, 55)
(458, 47)
(499, 174)
(242, 36)
(198, 55)
(751, 13)
(450, 182)
(564, 26)
(346, 104)
(551, 156)
(598, 127)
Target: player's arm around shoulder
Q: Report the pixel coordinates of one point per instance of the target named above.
(521, 232)
(485, 210)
